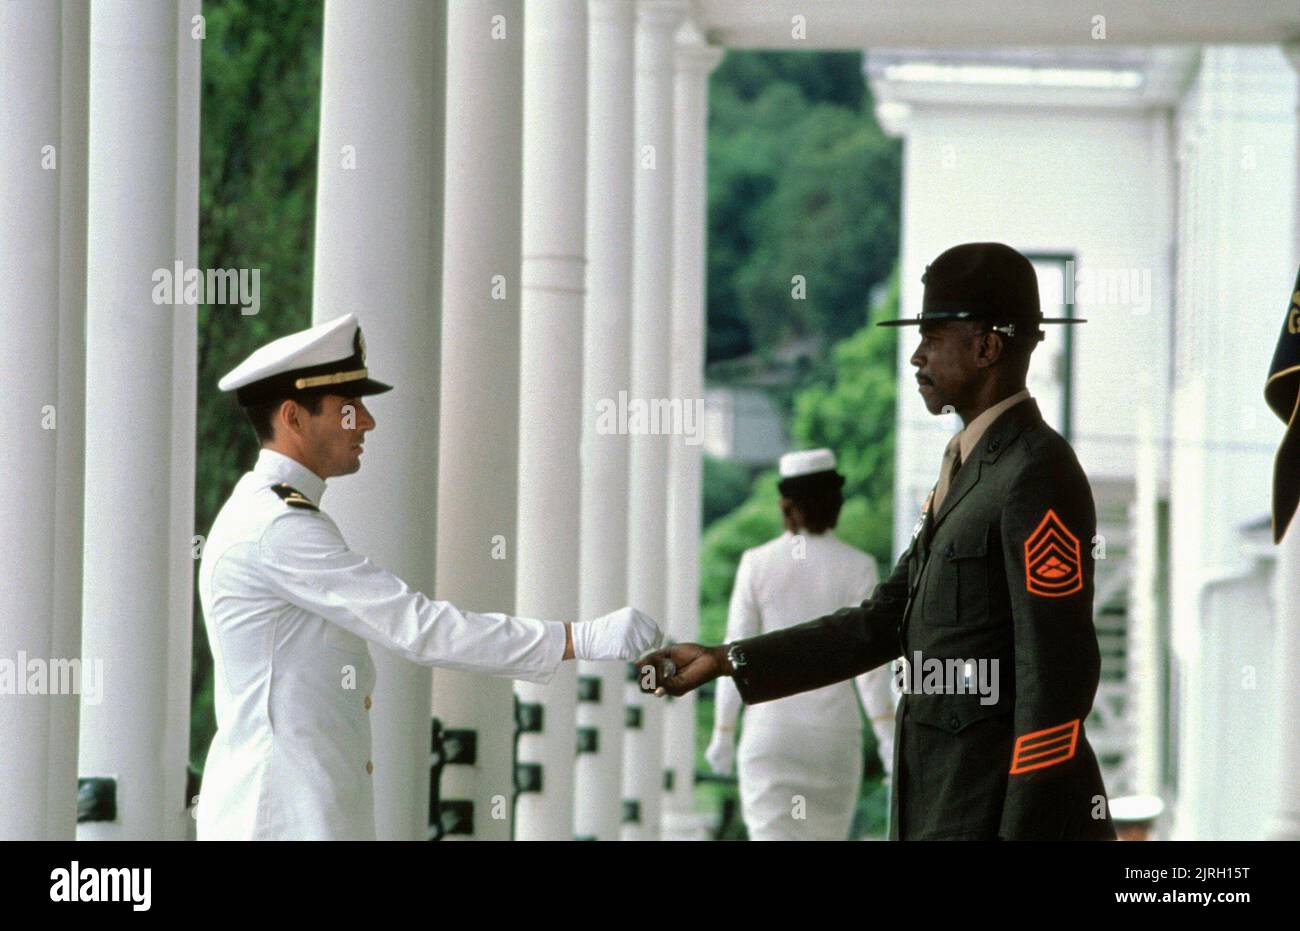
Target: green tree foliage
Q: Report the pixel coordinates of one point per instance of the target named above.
(257, 192)
(824, 77)
(755, 521)
(801, 182)
(726, 484)
(853, 414)
(832, 221)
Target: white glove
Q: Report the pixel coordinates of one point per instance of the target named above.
(622, 634)
(721, 754)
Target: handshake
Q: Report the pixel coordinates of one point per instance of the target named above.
(628, 633)
(681, 667)
(623, 634)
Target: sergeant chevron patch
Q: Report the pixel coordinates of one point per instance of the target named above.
(1053, 566)
(1045, 748)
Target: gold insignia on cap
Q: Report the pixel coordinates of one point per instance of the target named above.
(334, 378)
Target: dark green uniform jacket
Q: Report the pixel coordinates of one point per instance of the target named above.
(1003, 571)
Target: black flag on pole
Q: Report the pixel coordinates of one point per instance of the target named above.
(1282, 392)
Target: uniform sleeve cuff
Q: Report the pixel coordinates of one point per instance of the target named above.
(551, 654)
(741, 678)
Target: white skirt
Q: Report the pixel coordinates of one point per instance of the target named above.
(798, 782)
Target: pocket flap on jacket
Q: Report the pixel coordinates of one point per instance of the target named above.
(952, 712)
(966, 546)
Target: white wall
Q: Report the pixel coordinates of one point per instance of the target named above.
(1236, 219)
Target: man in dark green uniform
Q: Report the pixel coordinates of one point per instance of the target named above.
(991, 605)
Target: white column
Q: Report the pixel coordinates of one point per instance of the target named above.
(1147, 600)
(71, 479)
(132, 560)
(29, 315)
(550, 382)
(1292, 52)
(185, 365)
(606, 370)
(478, 440)
(695, 61)
(378, 252)
(1285, 824)
(652, 294)
(1145, 630)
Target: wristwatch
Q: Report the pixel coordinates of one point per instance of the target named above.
(736, 658)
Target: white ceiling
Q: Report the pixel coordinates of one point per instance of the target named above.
(858, 24)
(1063, 76)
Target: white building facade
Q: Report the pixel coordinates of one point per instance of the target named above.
(1188, 173)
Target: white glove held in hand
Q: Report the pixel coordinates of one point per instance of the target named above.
(721, 755)
(623, 634)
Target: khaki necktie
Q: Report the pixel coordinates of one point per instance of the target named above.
(951, 463)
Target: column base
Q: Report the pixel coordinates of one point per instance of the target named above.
(685, 825)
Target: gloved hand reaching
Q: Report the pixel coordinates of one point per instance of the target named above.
(623, 634)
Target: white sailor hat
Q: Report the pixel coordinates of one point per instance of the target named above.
(809, 471)
(807, 462)
(325, 359)
(1136, 808)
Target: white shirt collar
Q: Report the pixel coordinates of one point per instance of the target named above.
(280, 468)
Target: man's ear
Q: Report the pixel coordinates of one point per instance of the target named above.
(289, 416)
(991, 347)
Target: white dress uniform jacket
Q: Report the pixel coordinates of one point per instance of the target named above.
(289, 609)
(809, 744)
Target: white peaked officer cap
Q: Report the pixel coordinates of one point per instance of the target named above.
(809, 471)
(325, 359)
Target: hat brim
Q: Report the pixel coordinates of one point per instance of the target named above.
(366, 386)
(941, 316)
(281, 386)
(811, 483)
(351, 389)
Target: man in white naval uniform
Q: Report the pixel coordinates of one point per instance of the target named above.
(801, 759)
(290, 608)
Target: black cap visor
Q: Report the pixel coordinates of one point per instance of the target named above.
(284, 386)
(939, 316)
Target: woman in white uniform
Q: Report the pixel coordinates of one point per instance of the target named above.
(800, 760)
